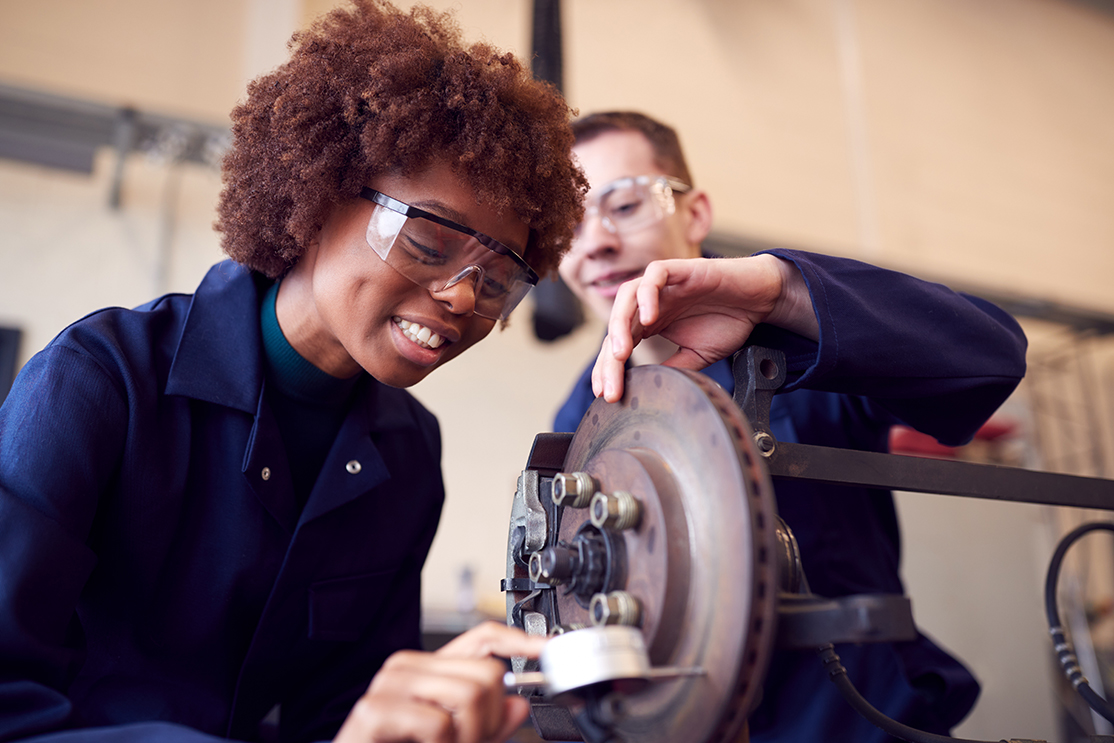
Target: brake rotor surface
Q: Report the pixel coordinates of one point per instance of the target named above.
(701, 560)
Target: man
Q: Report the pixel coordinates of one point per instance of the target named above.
(865, 348)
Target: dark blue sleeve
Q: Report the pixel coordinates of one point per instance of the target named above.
(61, 437)
(573, 409)
(60, 444)
(938, 361)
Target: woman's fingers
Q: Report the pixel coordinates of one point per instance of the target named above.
(471, 689)
(398, 719)
(516, 710)
(387, 719)
(493, 639)
(455, 695)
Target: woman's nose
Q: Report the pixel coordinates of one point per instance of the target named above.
(460, 293)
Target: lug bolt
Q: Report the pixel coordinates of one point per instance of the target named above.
(554, 565)
(574, 489)
(617, 607)
(619, 510)
(765, 443)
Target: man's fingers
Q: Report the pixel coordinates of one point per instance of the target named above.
(597, 368)
(608, 373)
(648, 292)
(623, 322)
(686, 358)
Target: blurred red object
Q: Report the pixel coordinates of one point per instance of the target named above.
(904, 440)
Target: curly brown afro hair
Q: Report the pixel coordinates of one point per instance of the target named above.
(370, 89)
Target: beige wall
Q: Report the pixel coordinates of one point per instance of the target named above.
(954, 138)
(181, 58)
(963, 140)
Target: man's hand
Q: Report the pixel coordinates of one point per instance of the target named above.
(706, 306)
(455, 695)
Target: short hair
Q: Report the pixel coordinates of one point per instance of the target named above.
(370, 89)
(663, 139)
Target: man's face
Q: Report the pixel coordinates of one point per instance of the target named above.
(600, 260)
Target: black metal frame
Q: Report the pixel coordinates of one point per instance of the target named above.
(9, 358)
(759, 372)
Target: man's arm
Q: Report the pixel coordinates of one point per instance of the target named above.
(938, 360)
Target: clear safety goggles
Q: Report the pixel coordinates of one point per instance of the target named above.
(631, 204)
(437, 253)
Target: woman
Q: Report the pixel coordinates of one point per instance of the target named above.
(214, 508)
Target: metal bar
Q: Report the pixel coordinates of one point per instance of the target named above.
(942, 476)
(548, 59)
(65, 132)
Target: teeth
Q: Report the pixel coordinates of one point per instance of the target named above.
(420, 334)
(616, 279)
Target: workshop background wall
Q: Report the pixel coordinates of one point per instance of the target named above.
(969, 142)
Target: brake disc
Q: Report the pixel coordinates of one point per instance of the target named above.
(698, 565)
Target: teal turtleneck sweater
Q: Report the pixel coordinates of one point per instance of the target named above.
(309, 404)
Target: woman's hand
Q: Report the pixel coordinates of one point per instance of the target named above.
(706, 306)
(454, 695)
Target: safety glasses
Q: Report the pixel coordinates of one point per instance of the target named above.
(631, 204)
(437, 253)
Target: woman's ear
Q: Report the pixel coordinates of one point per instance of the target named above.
(698, 208)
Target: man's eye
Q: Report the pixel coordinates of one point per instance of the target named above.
(625, 207)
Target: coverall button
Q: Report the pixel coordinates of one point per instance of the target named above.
(266, 473)
(353, 467)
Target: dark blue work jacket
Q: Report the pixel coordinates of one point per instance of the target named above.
(158, 578)
(893, 349)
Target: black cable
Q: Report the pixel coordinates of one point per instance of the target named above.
(838, 675)
(1064, 651)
